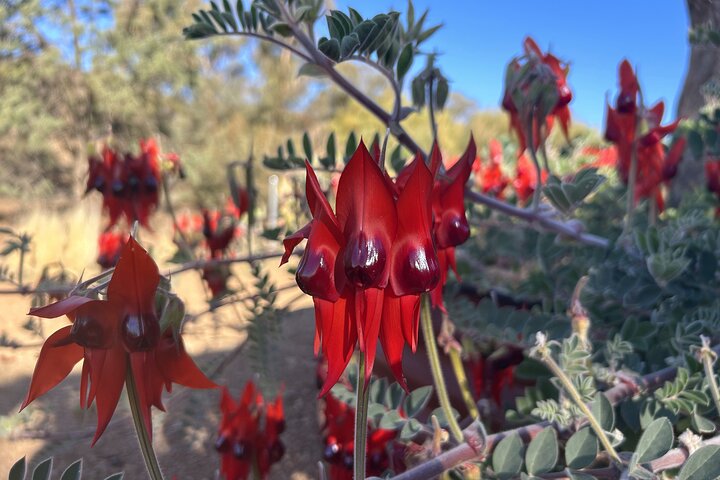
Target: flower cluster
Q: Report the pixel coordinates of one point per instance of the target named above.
(338, 437)
(635, 130)
(249, 434)
(119, 339)
(129, 183)
(536, 93)
(367, 263)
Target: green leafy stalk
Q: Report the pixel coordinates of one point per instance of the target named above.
(436, 370)
(543, 353)
(146, 447)
(361, 411)
(708, 357)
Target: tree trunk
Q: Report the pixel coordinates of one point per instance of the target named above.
(704, 65)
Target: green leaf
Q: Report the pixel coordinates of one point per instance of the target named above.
(335, 27)
(283, 29)
(417, 400)
(394, 396)
(349, 44)
(702, 465)
(73, 472)
(440, 414)
(418, 92)
(581, 448)
(507, 458)
(542, 453)
(405, 61)
(350, 146)
(391, 420)
(17, 472)
(701, 424)
(311, 70)
(603, 412)
(43, 470)
(411, 428)
(330, 48)
(655, 441)
(307, 147)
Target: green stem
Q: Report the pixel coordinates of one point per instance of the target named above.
(361, 410)
(708, 358)
(436, 370)
(146, 447)
(547, 359)
(459, 369)
(431, 107)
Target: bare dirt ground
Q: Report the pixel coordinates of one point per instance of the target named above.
(54, 425)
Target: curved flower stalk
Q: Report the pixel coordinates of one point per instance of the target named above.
(116, 338)
(366, 264)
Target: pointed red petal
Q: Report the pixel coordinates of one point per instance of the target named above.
(316, 271)
(53, 365)
(62, 307)
(368, 220)
(435, 158)
(339, 335)
(292, 241)
(109, 387)
(369, 311)
(391, 339)
(135, 279)
(176, 366)
(531, 46)
(414, 266)
(140, 372)
(453, 228)
(628, 80)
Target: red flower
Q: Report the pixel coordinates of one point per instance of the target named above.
(129, 184)
(217, 239)
(109, 247)
(527, 77)
(450, 227)
(655, 166)
(338, 432)
(526, 179)
(490, 179)
(241, 440)
(113, 336)
(365, 266)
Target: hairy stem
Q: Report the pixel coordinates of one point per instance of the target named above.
(708, 357)
(436, 369)
(538, 171)
(146, 447)
(361, 408)
(459, 370)
(545, 356)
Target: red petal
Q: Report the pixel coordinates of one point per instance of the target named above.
(339, 335)
(316, 271)
(53, 365)
(453, 228)
(62, 307)
(394, 322)
(135, 279)
(530, 46)
(368, 314)
(368, 219)
(414, 266)
(292, 241)
(141, 372)
(177, 366)
(628, 80)
(112, 379)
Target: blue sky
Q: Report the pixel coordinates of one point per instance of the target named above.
(479, 37)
